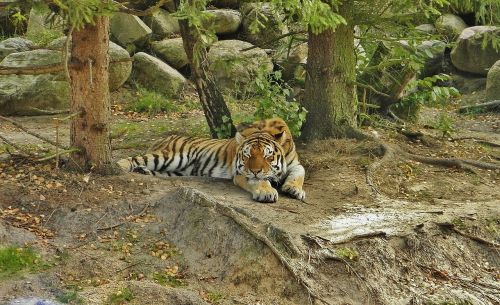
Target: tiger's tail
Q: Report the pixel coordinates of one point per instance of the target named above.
(146, 164)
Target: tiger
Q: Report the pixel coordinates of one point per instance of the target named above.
(259, 156)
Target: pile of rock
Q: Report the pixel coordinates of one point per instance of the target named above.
(147, 51)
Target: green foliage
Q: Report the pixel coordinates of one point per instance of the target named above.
(224, 131)
(152, 102)
(14, 260)
(77, 13)
(486, 11)
(194, 12)
(445, 124)
(347, 253)
(274, 100)
(44, 37)
(214, 297)
(168, 280)
(70, 297)
(122, 296)
(425, 92)
(318, 15)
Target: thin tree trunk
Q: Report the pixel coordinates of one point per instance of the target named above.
(330, 93)
(90, 128)
(211, 98)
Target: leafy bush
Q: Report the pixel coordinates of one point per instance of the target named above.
(445, 124)
(274, 100)
(425, 92)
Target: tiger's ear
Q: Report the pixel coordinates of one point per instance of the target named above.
(279, 136)
(239, 138)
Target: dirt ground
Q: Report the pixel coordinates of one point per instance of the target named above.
(419, 234)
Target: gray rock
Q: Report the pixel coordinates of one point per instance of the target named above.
(273, 27)
(34, 58)
(233, 69)
(468, 55)
(129, 31)
(171, 51)
(433, 65)
(13, 45)
(450, 25)
(120, 65)
(493, 82)
(293, 64)
(162, 24)
(427, 28)
(467, 84)
(154, 74)
(224, 21)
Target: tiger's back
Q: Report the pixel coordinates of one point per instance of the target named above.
(186, 156)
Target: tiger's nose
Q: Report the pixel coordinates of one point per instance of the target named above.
(255, 171)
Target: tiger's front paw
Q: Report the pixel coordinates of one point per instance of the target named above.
(293, 191)
(265, 194)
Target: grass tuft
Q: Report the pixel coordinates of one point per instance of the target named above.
(14, 260)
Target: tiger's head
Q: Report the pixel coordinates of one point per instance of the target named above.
(276, 127)
(259, 157)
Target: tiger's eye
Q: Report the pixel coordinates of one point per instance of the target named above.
(270, 158)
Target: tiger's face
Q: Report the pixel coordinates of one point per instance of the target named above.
(275, 127)
(260, 157)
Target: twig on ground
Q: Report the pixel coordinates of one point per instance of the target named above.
(111, 227)
(8, 142)
(484, 107)
(34, 134)
(452, 227)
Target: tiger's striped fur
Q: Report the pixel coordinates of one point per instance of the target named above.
(262, 153)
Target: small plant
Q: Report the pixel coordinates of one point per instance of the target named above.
(425, 92)
(152, 103)
(70, 297)
(224, 131)
(170, 277)
(14, 260)
(122, 296)
(445, 124)
(214, 297)
(274, 101)
(347, 253)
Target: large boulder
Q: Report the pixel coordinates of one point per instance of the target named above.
(14, 45)
(234, 68)
(28, 94)
(44, 25)
(272, 28)
(129, 31)
(434, 50)
(293, 62)
(468, 54)
(426, 28)
(450, 25)
(493, 82)
(120, 65)
(224, 21)
(172, 51)
(154, 74)
(468, 84)
(163, 24)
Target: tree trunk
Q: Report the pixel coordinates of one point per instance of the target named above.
(216, 112)
(90, 98)
(330, 94)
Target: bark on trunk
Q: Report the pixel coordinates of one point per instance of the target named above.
(330, 94)
(90, 98)
(211, 98)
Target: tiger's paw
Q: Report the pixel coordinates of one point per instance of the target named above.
(293, 191)
(267, 194)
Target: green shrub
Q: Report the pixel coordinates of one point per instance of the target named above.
(152, 103)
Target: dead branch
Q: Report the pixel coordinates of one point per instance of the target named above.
(111, 227)
(453, 228)
(45, 69)
(483, 107)
(478, 140)
(266, 43)
(124, 9)
(57, 154)
(48, 112)
(8, 142)
(32, 133)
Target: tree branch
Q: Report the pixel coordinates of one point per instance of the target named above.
(274, 40)
(124, 9)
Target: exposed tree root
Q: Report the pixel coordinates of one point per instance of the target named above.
(452, 227)
(390, 152)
